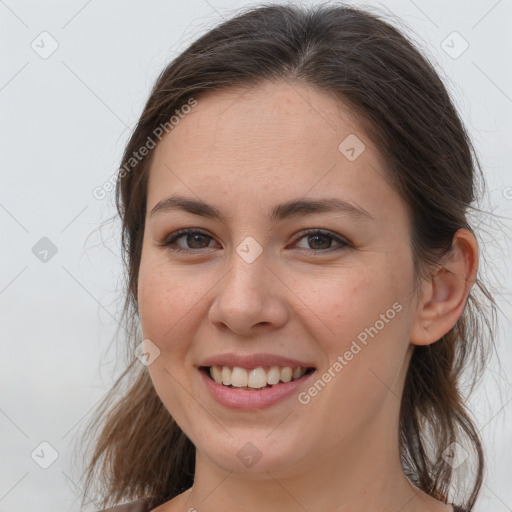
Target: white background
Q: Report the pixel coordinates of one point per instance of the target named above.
(64, 121)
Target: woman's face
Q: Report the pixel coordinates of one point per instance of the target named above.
(253, 289)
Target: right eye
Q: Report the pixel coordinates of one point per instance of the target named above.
(192, 237)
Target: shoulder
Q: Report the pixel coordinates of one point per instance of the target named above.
(134, 506)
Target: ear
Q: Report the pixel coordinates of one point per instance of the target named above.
(444, 294)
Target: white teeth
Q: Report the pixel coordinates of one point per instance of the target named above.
(274, 375)
(256, 378)
(216, 374)
(286, 374)
(226, 376)
(239, 377)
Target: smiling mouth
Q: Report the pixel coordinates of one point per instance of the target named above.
(254, 379)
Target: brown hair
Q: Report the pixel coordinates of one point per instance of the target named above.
(405, 108)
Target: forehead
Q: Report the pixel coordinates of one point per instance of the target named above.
(269, 144)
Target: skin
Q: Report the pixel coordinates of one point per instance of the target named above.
(244, 151)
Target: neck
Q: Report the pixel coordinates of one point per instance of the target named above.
(362, 475)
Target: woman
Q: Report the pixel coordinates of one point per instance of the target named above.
(294, 202)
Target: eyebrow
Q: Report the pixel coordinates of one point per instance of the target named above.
(279, 212)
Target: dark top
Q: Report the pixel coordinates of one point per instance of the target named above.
(134, 506)
(143, 506)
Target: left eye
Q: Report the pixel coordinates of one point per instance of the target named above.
(321, 238)
(195, 240)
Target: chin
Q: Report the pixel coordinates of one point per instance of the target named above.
(254, 455)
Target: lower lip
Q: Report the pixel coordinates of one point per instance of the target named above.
(242, 399)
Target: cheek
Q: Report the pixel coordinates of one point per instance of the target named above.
(166, 300)
(166, 306)
(360, 315)
(341, 304)
(365, 342)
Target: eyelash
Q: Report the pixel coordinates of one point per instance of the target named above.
(170, 243)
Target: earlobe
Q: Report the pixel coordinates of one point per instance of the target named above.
(445, 292)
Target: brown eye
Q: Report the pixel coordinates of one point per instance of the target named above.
(318, 241)
(321, 240)
(194, 240)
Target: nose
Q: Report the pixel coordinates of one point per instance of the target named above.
(250, 297)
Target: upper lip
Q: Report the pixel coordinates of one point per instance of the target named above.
(253, 361)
